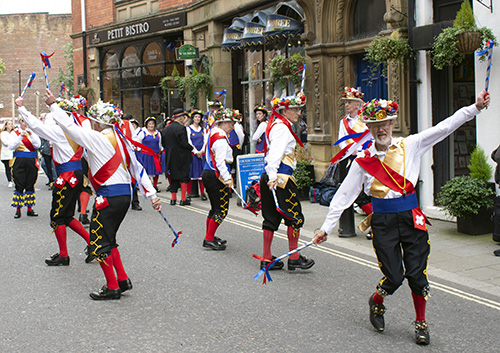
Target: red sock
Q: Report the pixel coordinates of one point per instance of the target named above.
(202, 187)
(184, 187)
(84, 201)
(174, 196)
(189, 187)
(118, 265)
(78, 229)
(61, 240)
(109, 273)
(367, 208)
(268, 239)
(19, 209)
(293, 241)
(208, 221)
(419, 304)
(211, 228)
(30, 208)
(155, 180)
(377, 298)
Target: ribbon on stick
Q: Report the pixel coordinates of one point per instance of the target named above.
(265, 271)
(176, 235)
(28, 84)
(220, 94)
(46, 64)
(63, 88)
(278, 208)
(245, 205)
(489, 50)
(303, 69)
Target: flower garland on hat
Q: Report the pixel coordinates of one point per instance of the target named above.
(378, 110)
(105, 112)
(288, 102)
(227, 114)
(352, 93)
(79, 102)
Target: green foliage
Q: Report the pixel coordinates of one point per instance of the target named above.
(66, 76)
(382, 50)
(2, 66)
(479, 167)
(463, 196)
(281, 70)
(444, 49)
(191, 84)
(465, 17)
(302, 175)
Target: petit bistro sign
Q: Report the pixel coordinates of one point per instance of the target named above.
(137, 28)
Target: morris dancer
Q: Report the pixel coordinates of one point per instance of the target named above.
(67, 187)
(24, 168)
(388, 171)
(278, 180)
(111, 164)
(216, 175)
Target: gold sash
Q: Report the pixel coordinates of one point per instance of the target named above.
(394, 159)
(112, 138)
(358, 127)
(287, 159)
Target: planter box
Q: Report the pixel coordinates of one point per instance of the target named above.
(481, 223)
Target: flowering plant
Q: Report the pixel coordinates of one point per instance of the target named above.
(105, 112)
(378, 110)
(352, 93)
(289, 101)
(227, 114)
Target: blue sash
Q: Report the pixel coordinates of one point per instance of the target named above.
(68, 167)
(22, 154)
(396, 205)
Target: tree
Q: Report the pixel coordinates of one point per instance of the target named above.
(2, 66)
(66, 76)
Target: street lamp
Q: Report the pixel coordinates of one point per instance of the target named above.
(19, 72)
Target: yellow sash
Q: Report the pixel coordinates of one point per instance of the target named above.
(287, 159)
(394, 159)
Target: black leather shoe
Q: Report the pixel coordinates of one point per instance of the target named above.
(377, 312)
(90, 257)
(17, 214)
(173, 202)
(56, 260)
(137, 207)
(84, 220)
(157, 190)
(214, 245)
(277, 266)
(203, 197)
(302, 262)
(422, 335)
(220, 241)
(31, 213)
(125, 285)
(496, 252)
(106, 294)
(185, 203)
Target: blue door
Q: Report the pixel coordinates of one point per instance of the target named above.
(373, 86)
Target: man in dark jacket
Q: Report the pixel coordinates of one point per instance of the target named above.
(178, 155)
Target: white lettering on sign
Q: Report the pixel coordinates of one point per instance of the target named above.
(128, 31)
(115, 33)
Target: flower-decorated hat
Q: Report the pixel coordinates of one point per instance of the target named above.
(227, 114)
(261, 108)
(214, 103)
(105, 112)
(65, 104)
(353, 94)
(79, 102)
(197, 111)
(378, 110)
(288, 102)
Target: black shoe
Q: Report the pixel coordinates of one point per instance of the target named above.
(106, 294)
(220, 241)
(137, 207)
(125, 285)
(84, 220)
(203, 197)
(90, 257)
(173, 202)
(188, 198)
(422, 335)
(377, 314)
(496, 252)
(157, 190)
(277, 266)
(169, 188)
(17, 214)
(302, 262)
(214, 245)
(31, 213)
(56, 260)
(185, 203)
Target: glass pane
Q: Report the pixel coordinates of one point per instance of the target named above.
(152, 102)
(132, 104)
(110, 82)
(170, 50)
(368, 18)
(110, 60)
(152, 54)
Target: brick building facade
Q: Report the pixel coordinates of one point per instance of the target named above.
(22, 38)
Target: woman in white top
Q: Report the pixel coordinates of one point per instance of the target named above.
(196, 138)
(259, 136)
(6, 154)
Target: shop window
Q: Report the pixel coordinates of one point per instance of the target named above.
(171, 59)
(131, 71)
(110, 79)
(368, 18)
(152, 73)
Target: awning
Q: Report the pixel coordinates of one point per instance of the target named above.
(285, 25)
(253, 34)
(233, 34)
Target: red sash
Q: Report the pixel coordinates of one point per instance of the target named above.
(214, 137)
(144, 149)
(373, 165)
(25, 141)
(79, 118)
(271, 123)
(349, 130)
(107, 170)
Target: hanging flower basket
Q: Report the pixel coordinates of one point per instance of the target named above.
(285, 69)
(468, 42)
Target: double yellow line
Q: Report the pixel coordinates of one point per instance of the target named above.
(367, 263)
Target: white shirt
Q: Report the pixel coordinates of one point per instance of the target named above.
(141, 134)
(15, 140)
(222, 153)
(99, 150)
(62, 151)
(194, 150)
(238, 128)
(259, 131)
(281, 142)
(7, 154)
(415, 147)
